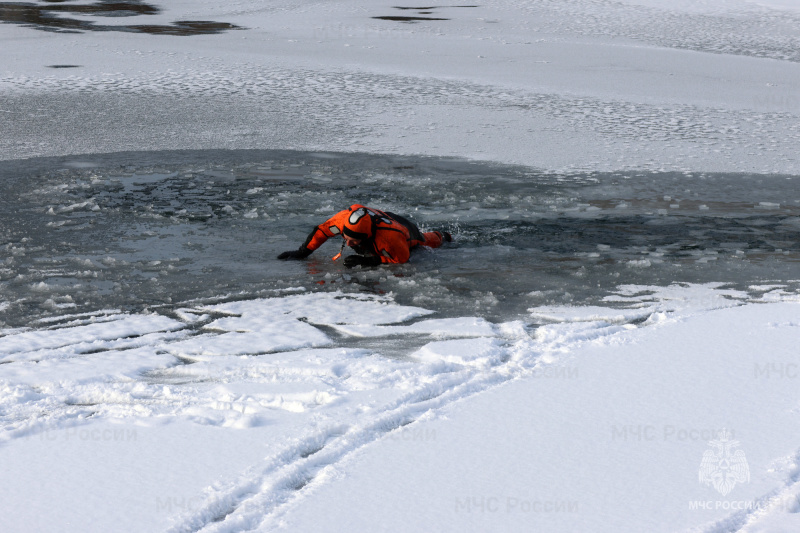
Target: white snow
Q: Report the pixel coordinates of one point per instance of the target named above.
(590, 388)
(697, 86)
(612, 443)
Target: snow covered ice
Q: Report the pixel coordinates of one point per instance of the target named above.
(258, 387)
(620, 305)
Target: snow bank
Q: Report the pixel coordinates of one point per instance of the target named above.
(315, 411)
(614, 442)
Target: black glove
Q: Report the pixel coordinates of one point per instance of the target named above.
(364, 260)
(301, 253)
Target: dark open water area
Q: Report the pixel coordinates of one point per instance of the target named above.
(57, 16)
(160, 230)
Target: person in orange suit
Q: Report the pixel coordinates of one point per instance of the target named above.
(378, 237)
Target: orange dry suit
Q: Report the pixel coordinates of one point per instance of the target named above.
(384, 237)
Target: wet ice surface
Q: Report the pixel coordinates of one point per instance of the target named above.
(158, 231)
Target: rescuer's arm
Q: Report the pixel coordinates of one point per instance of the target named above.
(315, 239)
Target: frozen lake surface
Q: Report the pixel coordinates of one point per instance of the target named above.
(620, 300)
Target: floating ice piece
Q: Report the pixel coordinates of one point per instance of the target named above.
(80, 319)
(188, 316)
(765, 287)
(89, 204)
(272, 337)
(445, 327)
(301, 366)
(41, 287)
(588, 314)
(66, 372)
(123, 326)
(275, 324)
(679, 297)
(779, 295)
(317, 308)
(97, 348)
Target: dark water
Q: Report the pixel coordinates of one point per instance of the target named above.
(52, 15)
(133, 231)
(430, 10)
